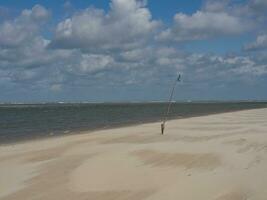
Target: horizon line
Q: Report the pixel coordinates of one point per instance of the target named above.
(118, 102)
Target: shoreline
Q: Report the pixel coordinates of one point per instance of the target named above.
(124, 125)
(218, 157)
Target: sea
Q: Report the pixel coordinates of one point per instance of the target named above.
(20, 122)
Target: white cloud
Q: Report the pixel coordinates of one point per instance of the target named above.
(203, 25)
(259, 44)
(24, 56)
(125, 26)
(38, 13)
(22, 29)
(215, 5)
(217, 18)
(92, 62)
(56, 87)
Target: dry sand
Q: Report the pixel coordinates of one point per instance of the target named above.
(217, 157)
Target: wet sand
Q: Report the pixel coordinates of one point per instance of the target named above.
(217, 157)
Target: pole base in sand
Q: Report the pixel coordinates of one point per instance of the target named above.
(162, 128)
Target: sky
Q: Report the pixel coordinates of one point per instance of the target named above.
(132, 50)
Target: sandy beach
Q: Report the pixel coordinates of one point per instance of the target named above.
(217, 157)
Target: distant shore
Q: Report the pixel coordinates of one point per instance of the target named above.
(217, 157)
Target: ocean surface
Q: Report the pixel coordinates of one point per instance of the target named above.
(20, 122)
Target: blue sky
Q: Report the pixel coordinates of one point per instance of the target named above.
(131, 50)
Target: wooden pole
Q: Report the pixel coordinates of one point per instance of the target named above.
(169, 104)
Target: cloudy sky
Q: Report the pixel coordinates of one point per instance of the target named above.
(132, 50)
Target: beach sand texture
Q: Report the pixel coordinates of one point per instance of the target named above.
(215, 157)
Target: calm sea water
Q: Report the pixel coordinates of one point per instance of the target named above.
(23, 122)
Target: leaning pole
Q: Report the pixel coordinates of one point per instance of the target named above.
(169, 104)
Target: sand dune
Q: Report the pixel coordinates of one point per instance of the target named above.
(216, 157)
